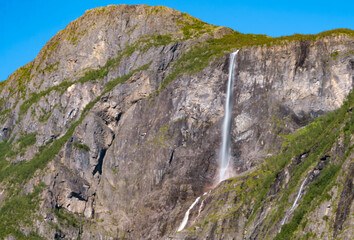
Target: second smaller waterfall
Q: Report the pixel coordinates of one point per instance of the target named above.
(294, 204)
(186, 215)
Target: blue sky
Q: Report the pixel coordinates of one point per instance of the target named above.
(25, 26)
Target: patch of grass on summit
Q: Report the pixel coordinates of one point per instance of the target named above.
(199, 56)
(192, 27)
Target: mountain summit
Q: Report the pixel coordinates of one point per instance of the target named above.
(114, 132)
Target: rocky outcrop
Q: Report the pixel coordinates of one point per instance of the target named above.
(127, 133)
(345, 202)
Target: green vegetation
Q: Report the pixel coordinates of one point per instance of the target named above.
(192, 27)
(201, 54)
(4, 115)
(22, 206)
(34, 98)
(334, 55)
(50, 68)
(45, 116)
(23, 76)
(317, 140)
(2, 84)
(66, 218)
(90, 75)
(4, 112)
(15, 149)
(27, 140)
(23, 171)
(111, 84)
(317, 191)
(142, 45)
(81, 146)
(49, 48)
(191, 62)
(161, 137)
(73, 37)
(17, 212)
(311, 199)
(5, 148)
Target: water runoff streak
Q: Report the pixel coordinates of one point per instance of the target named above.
(186, 216)
(226, 129)
(294, 204)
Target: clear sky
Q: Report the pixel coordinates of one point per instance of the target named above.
(26, 25)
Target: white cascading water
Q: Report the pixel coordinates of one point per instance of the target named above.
(294, 204)
(186, 216)
(226, 129)
(201, 205)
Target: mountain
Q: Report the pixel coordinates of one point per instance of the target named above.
(114, 130)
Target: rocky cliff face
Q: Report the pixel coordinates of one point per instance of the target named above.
(114, 130)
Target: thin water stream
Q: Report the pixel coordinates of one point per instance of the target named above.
(294, 204)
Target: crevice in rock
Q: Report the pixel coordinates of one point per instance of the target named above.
(301, 157)
(118, 117)
(57, 207)
(225, 67)
(98, 167)
(301, 55)
(276, 186)
(345, 201)
(171, 157)
(174, 47)
(59, 235)
(351, 63)
(77, 195)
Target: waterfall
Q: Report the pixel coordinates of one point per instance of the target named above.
(186, 215)
(226, 138)
(294, 204)
(202, 205)
(226, 129)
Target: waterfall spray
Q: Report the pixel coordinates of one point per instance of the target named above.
(226, 129)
